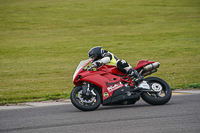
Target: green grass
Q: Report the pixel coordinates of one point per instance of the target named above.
(42, 41)
(195, 86)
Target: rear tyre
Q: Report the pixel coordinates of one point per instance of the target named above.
(161, 96)
(85, 102)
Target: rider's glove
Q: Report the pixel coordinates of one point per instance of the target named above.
(97, 64)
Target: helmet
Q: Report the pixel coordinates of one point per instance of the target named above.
(95, 53)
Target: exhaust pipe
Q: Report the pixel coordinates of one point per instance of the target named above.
(151, 68)
(149, 72)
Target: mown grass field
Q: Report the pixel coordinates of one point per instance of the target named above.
(42, 41)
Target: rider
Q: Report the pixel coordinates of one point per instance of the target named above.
(101, 57)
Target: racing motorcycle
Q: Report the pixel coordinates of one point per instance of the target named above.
(107, 85)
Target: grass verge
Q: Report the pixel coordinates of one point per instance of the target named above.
(42, 41)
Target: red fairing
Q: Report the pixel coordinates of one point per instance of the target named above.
(75, 77)
(102, 78)
(108, 82)
(142, 63)
(111, 69)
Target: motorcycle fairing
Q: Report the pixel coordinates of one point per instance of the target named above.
(111, 69)
(142, 63)
(107, 81)
(86, 74)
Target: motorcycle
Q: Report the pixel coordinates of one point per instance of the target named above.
(107, 85)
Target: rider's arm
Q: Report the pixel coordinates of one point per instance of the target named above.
(106, 59)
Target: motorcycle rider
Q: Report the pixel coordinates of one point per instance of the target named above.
(101, 57)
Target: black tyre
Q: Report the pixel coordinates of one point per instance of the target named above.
(85, 102)
(163, 94)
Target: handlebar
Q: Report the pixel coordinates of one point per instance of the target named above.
(90, 68)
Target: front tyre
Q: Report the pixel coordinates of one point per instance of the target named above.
(85, 102)
(162, 91)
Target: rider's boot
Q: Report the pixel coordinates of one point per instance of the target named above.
(133, 72)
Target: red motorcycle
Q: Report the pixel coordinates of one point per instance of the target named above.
(107, 85)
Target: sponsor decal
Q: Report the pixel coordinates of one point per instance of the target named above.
(112, 83)
(106, 94)
(115, 87)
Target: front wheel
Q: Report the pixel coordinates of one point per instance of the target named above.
(85, 102)
(162, 91)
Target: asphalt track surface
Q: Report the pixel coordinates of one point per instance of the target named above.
(180, 115)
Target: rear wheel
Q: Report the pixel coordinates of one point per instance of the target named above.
(162, 91)
(85, 102)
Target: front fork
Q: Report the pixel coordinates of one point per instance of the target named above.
(86, 89)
